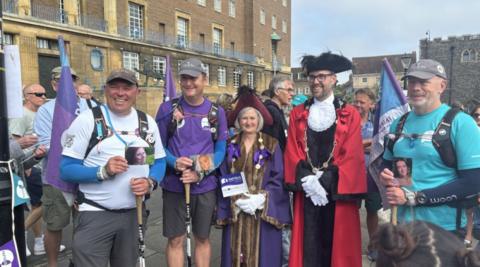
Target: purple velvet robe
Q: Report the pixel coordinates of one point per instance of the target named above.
(276, 213)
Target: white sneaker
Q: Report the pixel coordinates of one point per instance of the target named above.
(39, 248)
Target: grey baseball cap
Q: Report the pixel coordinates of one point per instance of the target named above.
(426, 69)
(192, 67)
(122, 74)
(55, 72)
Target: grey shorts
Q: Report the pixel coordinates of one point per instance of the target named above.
(202, 208)
(56, 211)
(103, 237)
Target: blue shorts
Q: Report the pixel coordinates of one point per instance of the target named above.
(34, 186)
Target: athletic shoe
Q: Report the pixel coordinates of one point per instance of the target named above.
(372, 255)
(39, 247)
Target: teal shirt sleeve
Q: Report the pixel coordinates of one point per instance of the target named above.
(465, 138)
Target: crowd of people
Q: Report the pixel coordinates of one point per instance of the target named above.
(301, 183)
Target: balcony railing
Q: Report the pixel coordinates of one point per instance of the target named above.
(49, 13)
(10, 6)
(93, 23)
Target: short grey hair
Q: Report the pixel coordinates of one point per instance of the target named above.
(276, 82)
(242, 112)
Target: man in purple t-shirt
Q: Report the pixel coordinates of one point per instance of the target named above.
(195, 147)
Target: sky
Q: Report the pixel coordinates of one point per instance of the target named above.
(358, 28)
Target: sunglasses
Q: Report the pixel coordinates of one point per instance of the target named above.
(38, 94)
(476, 115)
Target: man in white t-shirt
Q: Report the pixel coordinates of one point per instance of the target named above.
(106, 226)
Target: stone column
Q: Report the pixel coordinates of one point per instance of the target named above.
(110, 14)
(71, 8)
(24, 8)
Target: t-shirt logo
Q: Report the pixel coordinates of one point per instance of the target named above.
(205, 124)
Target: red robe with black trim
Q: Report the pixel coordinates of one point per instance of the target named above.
(349, 158)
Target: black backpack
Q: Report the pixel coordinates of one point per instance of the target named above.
(101, 130)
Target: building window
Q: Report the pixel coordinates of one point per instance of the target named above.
(262, 16)
(236, 78)
(231, 8)
(7, 39)
(47, 44)
(202, 2)
(299, 91)
(182, 32)
(162, 32)
(131, 62)
(222, 76)
(274, 22)
(63, 14)
(159, 65)
(206, 68)
(250, 79)
(364, 80)
(217, 41)
(468, 56)
(217, 5)
(135, 14)
(284, 3)
(284, 26)
(96, 59)
(306, 91)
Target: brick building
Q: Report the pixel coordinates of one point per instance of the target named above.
(461, 58)
(366, 70)
(235, 39)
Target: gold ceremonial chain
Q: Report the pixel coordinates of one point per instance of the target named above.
(309, 160)
(257, 166)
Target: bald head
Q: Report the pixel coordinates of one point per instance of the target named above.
(84, 91)
(34, 95)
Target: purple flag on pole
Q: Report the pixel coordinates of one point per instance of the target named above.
(392, 104)
(9, 255)
(65, 112)
(170, 89)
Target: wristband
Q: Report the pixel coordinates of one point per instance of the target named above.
(103, 175)
(153, 184)
(410, 196)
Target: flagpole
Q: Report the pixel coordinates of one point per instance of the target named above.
(6, 215)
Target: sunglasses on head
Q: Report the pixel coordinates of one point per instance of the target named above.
(38, 94)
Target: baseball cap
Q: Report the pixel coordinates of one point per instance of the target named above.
(122, 74)
(191, 67)
(426, 69)
(55, 72)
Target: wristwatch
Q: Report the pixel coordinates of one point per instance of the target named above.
(103, 175)
(410, 196)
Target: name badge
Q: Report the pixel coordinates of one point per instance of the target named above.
(233, 184)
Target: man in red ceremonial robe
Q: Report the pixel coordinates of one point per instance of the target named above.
(324, 166)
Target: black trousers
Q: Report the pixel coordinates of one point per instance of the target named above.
(6, 228)
(318, 234)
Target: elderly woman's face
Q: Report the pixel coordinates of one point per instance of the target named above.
(249, 121)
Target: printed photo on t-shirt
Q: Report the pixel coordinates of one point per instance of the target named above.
(402, 170)
(136, 155)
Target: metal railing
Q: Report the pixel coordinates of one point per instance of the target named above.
(10, 6)
(93, 23)
(49, 13)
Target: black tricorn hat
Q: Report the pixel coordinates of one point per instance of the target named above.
(326, 61)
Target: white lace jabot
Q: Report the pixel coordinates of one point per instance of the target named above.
(322, 114)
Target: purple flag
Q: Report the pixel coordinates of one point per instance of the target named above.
(66, 106)
(392, 104)
(9, 255)
(170, 89)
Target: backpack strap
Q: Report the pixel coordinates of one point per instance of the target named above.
(213, 121)
(441, 139)
(398, 132)
(143, 128)
(100, 129)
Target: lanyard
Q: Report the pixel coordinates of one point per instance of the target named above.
(113, 128)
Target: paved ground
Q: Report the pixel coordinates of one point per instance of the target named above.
(155, 242)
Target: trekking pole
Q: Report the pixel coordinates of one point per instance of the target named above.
(188, 224)
(141, 241)
(393, 216)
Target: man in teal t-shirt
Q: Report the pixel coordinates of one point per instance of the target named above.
(434, 186)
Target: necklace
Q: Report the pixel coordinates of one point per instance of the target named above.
(325, 164)
(259, 156)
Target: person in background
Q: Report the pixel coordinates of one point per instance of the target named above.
(85, 91)
(365, 103)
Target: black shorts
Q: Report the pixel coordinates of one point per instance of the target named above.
(34, 186)
(202, 208)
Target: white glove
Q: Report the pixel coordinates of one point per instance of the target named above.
(314, 190)
(252, 203)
